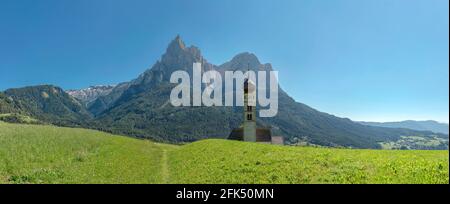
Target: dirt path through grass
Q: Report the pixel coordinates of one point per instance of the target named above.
(164, 167)
(164, 161)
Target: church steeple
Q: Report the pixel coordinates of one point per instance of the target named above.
(248, 131)
(249, 125)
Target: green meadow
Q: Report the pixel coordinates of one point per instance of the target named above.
(49, 154)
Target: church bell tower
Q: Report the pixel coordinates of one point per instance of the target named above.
(249, 125)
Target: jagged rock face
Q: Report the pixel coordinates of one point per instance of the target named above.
(91, 93)
(177, 57)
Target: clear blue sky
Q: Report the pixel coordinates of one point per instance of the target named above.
(374, 60)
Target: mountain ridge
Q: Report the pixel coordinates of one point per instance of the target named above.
(427, 125)
(50, 104)
(144, 107)
(90, 94)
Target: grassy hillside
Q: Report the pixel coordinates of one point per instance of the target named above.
(218, 161)
(47, 154)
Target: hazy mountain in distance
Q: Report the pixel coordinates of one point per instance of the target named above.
(91, 93)
(427, 125)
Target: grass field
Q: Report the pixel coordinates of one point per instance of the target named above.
(47, 154)
(238, 162)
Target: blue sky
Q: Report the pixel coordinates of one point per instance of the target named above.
(373, 60)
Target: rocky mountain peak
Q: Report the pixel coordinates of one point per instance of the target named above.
(177, 57)
(177, 53)
(246, 57)
(245, 61)
(176, 45)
